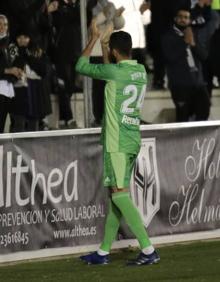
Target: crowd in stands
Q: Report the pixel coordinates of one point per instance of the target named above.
(40, 42)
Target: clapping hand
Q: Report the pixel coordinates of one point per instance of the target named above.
(95, 33)
(188, 36)
(106, 34)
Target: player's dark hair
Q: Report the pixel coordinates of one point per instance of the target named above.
(122, 42)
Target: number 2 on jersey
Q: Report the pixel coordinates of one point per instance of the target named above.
(132, 90)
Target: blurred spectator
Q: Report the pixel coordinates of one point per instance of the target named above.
(8, 73)
(66, 21)
(214, 57)
(136, 15)
(19, 105)
(183, 63)
(161, 20)
(38, 71)
(32, 92)
(31, 13)
(204, 22)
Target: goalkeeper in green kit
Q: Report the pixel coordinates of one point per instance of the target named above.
(124, 95)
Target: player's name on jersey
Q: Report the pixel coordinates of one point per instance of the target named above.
(129, 120)
(138, 75)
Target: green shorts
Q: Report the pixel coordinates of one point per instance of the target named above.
(118, 168)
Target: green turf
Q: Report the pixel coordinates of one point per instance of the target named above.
(191, 262)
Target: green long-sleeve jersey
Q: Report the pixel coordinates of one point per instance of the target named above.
(124, 95)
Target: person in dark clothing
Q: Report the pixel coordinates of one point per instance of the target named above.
(66, 21)
(32, 93)
(19, 103)
(182, 55)
(162, 13)
(31, 13)
(8, 73)
(214, 57)
(38, 70)
(204, 22)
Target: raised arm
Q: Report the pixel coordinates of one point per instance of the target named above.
(95, 34)
(105, 43)
(98, 71)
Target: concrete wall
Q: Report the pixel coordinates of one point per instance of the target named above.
(159, 108)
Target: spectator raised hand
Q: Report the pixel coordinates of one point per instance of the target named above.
(188, 36)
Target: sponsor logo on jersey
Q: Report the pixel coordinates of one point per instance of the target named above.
(129, 120)
(145, 184)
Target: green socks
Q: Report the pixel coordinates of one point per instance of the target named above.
(132, 217)
(122, 206)
(111, 226)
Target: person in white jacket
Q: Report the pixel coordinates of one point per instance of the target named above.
(136, 14)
